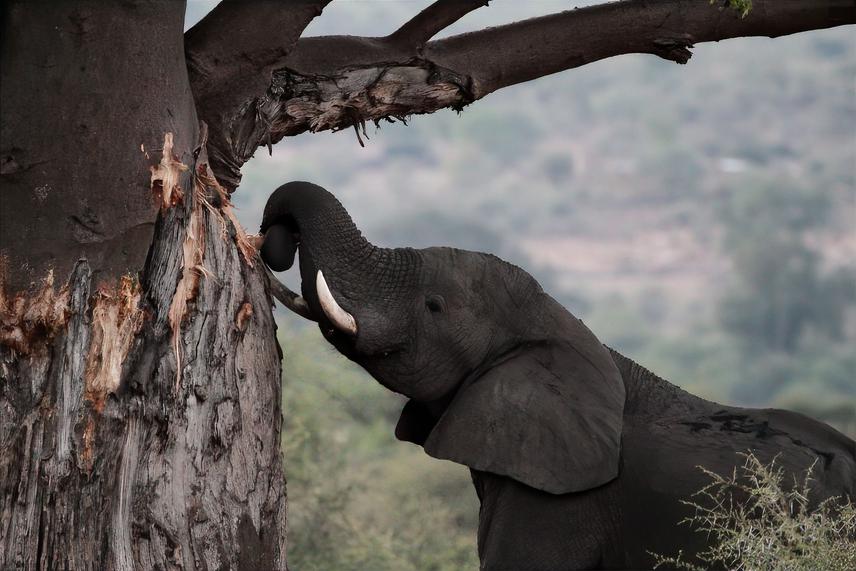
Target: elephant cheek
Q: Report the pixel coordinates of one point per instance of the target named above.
(433, 387)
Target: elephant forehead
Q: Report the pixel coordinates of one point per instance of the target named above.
(468, 270)
(382, 277)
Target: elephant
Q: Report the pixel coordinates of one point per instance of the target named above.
(579, 456)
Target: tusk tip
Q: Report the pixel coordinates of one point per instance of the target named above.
(340, 318)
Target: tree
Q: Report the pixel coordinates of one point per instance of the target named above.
(139, 372)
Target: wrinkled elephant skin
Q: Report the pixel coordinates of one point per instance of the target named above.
(580, 457)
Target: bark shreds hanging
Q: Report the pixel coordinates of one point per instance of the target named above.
(116, 319)
(210, 195)
(193, 252)
(205, 179)
(29, 322)
(165, 176)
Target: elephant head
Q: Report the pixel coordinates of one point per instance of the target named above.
(501, 377)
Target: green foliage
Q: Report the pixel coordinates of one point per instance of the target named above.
(758, 523)
(742, 6)
(357, 498)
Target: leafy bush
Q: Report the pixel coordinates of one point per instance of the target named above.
(771, 527)
(358, 499)
(742, 6)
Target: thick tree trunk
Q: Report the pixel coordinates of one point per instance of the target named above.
(139, 372)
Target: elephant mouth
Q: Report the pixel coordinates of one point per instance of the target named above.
(341, 320)
(356, 349)
(383, 359)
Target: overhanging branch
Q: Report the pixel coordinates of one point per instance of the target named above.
(338, 82)
(519, 52)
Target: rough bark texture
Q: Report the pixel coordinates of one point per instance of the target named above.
(84, 89)
(231, 54)
(107, 463)
(139, 371)
(338, 82)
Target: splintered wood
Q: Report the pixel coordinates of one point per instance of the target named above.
(165, 182)
(116, 319)
(208, 196)
(206, 180)
(193, 252)
(29, 322)
(361, 94)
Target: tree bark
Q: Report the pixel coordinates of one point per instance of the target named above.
(139, 370)
(231, 54)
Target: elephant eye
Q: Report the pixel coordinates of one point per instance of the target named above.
(435, 303)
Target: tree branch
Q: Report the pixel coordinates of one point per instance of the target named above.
(230, 56)
(511, 54)
(432, 20)
(339, 82)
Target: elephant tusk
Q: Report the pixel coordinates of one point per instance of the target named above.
(288, 298)
(341, 319)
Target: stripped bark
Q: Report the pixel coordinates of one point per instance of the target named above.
(105, 463)
(123, 270)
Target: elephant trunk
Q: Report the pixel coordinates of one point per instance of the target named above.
(354, 278)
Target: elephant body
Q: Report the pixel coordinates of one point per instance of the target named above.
(579, 456)
(616, 525)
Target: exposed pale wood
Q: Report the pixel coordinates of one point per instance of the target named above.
(139, 420)
(106, 462)
(134, 472)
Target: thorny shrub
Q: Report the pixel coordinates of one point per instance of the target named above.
(770, 527)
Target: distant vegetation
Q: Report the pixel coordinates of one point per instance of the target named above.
(700, 218)
(358, 499)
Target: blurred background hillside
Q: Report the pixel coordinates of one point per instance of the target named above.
(700, 218)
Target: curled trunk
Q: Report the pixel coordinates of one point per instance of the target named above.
(365, 281)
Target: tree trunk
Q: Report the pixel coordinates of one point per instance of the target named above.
(139, 371)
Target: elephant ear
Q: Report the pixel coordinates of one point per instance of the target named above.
(548, 416)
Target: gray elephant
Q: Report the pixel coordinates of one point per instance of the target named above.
(579, 456)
